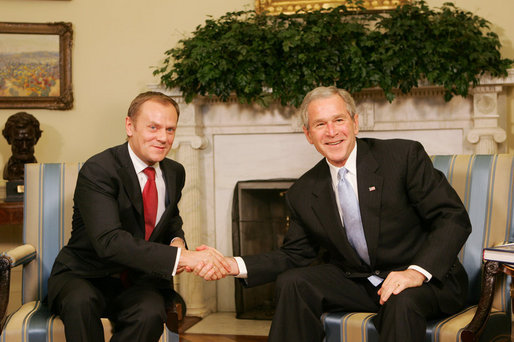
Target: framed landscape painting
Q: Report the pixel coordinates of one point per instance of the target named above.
(35, 65)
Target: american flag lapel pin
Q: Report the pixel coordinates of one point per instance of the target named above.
(372, 188)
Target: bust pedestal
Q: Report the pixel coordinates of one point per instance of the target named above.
(14, 191)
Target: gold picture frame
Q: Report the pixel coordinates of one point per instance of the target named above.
(274, 7)
(35, 65)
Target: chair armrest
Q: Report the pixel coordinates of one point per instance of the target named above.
(5, 281)
(474, 329)
(20, 255)
(12, 258)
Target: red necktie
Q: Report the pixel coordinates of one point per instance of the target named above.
(150, 201)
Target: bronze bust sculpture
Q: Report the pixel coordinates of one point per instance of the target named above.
(22, 133)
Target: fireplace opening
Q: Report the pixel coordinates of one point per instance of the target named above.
(260, 219)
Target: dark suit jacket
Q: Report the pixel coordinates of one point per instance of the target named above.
(108, 222)
(410, 215)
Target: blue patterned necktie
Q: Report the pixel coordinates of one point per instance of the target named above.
(352, 216)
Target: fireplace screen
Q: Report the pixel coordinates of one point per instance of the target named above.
(259, 222)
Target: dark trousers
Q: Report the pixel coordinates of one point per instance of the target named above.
(303, 294)
(137, 312)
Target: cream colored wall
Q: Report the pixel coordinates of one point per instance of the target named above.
(117, 42)
(115, 45)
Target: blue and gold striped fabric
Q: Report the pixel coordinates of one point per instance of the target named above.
(485, 185)
(32, 322)
(47, 220)
(48, 211)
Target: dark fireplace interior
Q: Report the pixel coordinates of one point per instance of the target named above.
(259, 222)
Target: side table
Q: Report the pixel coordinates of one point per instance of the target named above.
(11, 212)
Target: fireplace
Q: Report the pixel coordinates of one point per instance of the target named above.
(260, 219)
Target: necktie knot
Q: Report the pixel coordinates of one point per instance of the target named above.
(342, 173)
(150, 172)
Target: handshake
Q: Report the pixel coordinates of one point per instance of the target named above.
(207, 263)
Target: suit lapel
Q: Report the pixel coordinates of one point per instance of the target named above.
(130, 181)
(369, 185)
(170, 179)
(324, 205)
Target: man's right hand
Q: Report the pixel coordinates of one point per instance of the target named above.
(213, 264)
(205, 271)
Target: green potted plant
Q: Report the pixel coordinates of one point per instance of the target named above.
(244, 53)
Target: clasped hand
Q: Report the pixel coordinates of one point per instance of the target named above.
(205, 262)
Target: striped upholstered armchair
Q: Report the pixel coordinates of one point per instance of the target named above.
(486, 186)
(48, 209)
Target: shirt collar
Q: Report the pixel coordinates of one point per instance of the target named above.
(139, 165)
(350, 165)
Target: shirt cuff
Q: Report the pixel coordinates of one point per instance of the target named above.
(177, 258)
(422, 271)
(243, 272)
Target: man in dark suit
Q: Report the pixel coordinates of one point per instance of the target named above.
(124, 248)
(395, 254)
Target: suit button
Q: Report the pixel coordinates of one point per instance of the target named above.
(377, 272)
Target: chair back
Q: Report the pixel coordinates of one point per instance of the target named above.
(486, 187)
(48, 210)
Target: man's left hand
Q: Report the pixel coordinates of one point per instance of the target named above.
(396, 282)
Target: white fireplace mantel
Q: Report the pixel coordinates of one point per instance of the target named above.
(223, 143)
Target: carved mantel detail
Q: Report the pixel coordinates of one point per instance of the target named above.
(486, 133)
